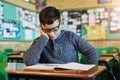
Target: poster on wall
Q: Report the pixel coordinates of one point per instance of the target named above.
(91, 24)
(11, 29)
(28, 34)
(97, 27)
(27, 17)
(115, 20)
(1, 17)
(1, 27)
(1, 10)
(71, 21)
(28, 20)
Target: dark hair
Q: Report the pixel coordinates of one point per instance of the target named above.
(48, 15)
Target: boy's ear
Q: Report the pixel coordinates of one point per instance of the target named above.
(41, 25)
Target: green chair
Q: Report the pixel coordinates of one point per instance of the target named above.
(112, 49)
(3, 56)
(101, 51)
(8, 51)
(3, 73)
(109, 64)
(114, 52)
(3, 65)
(82, 58)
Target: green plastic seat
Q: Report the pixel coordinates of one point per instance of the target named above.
(3, 73)
(101, 51)
(112, 50)
(82, 58)
(3, 65)
(3, 56)
(8, 50)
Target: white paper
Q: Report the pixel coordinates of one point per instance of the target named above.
(28, 34)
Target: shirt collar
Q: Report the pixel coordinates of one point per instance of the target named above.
(59, 36)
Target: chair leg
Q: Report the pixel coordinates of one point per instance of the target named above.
(116, 69)
(112, 77)
(108, 69)
(107, 65)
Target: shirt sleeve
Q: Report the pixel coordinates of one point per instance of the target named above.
(86, 49)
(32, 55)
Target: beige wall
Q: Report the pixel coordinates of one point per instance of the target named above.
(105, 43)
(16, 45)
(21, 45)
(77, 4)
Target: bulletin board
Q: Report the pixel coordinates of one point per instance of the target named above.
(87, 23)
(94, 23)
(114, 28)
(11, 28)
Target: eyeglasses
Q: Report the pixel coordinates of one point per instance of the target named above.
(55, 29)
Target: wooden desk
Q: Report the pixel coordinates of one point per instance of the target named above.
(16, 53)
(16, 69)
(106, 60)
(116, 56)
(17, 58)
(109, 55)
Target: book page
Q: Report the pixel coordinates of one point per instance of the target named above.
(72, 66)
(41, 67)
(76, 66)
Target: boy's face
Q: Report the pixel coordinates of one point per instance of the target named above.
(52, 30)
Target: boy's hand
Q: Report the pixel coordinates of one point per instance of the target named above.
(42, 32)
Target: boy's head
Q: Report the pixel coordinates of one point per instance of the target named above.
(50, 21)
(48, 15)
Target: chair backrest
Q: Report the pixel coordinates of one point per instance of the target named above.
(3, 57)
(82, 58)
(3, 73)
(101, 51)
(113, 49)
(8, 50)
(3, 65)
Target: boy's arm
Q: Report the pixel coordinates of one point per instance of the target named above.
(32, 55)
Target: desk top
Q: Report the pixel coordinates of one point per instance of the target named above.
(15, 57)
(18, 69)
(105, 59)
(110, 55)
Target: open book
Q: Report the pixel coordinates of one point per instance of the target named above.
(71, 65)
